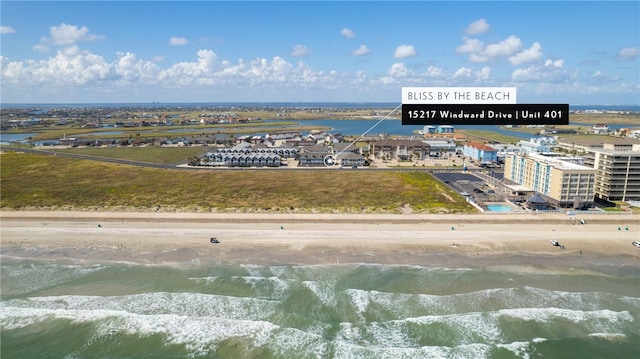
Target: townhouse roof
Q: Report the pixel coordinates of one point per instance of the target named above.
(408, 143)
(480, 146)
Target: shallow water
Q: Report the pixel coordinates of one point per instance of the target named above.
(322, 311)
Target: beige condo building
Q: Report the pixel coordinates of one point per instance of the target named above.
(617, 165)
(618, 171)
(564, 184)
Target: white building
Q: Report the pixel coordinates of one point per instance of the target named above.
(537, 145)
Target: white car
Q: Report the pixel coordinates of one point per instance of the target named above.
(636, 243)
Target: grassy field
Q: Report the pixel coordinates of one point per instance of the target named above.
(151, 154)
(491, 136)
(32, 181)
(43, 133)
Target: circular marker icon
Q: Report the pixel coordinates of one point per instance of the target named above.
(329, 160)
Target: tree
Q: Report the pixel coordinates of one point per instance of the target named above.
(194, 161)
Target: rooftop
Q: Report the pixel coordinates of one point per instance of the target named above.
(563, 165)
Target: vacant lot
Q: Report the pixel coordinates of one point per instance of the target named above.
(32, 181)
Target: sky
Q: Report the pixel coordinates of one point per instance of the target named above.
(575, 52)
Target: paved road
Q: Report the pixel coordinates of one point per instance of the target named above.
(439, 173)
(103, 159)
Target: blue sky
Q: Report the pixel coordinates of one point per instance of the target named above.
(576, 52)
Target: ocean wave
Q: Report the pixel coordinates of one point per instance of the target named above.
(182, 304)
(324, 311)
(202, 331)
(21, 279)
(200, 335)
(400, 305)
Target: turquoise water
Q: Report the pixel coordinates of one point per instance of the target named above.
(499, 208)
(53, 310)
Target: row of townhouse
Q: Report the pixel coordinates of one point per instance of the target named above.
(284, 152)
(313, 155)
(251, 159)
(341, 154)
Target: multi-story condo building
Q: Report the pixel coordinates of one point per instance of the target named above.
(618, 171)
(617, 163)
(564, 184)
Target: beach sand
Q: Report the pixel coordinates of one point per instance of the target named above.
(472, 240)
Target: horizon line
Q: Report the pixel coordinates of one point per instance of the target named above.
(2, 104)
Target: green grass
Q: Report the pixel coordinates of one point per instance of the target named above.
(482, 136)
(152, 154)
(49, 133)
(32, 181)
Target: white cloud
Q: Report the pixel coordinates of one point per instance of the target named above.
(629, 53)
(399, 70)
(300, 50)
(70, 67)
(470, 46)
(6, 30)
(478, 58)
(404, 51)
(189, 73)
(477, 27)
(69, 35)
(465, 76)
(73, 74)
(533, 53)
(506, 47)
(362, 50)
(40, 48)
(178, 41)
(462, 72)
(349, 34)
(552, 71)
(433, 71)
(480, 52)
(603, 77)
(484, 74)
(552, 63)
(128, 69)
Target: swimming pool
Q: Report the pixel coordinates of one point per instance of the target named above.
(499, 208)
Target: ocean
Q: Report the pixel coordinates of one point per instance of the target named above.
(65, 309)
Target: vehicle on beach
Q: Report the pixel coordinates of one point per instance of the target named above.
(214, 240)
(556, 244)
(636, 243)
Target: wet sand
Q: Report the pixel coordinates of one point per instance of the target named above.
(473, 240)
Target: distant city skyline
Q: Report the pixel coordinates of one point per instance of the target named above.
(576, 52)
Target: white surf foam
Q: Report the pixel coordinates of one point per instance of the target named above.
(323, 291)
(186, 304)
(351, 351)
(21, 279)
(199, 335)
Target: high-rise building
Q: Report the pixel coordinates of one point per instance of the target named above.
(564, 184)
(618, 171)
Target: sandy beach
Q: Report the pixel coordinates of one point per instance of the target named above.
(452, 240)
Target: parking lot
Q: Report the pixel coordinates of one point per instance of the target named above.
(472, 186)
